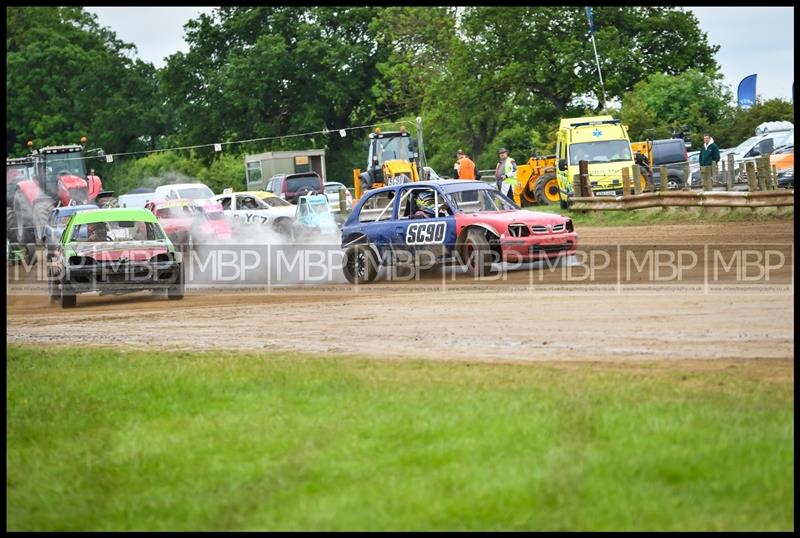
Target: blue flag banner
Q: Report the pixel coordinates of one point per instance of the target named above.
(589, 17)
(747, 92)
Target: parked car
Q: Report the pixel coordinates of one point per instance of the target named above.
(332, 189)
(291, 186)
(114, 251)
(191, 191)
(136, 198)
(786, 178)
(56, 222)
(669, 152)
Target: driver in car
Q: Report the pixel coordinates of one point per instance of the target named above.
(98, 232)
(425, 206)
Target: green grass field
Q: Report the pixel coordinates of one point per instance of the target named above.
(101, 439)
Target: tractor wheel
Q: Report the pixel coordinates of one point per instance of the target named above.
(175, 291)
(11, 223)
(68, 300)
(23, 218)
(528, 195)
(360, 265)
(546, 190)
(41, 213)
(477, 254)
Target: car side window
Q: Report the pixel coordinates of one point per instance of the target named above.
(225, 202)
(377, 207)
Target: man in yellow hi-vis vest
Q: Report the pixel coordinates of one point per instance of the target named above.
(506, 173)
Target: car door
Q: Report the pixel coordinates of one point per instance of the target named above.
(425, 238)
(376, 221)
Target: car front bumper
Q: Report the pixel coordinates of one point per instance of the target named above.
(536, 247)
(120, 277)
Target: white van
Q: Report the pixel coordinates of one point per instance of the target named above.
(136, 201)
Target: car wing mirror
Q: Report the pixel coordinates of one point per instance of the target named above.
(562, 164)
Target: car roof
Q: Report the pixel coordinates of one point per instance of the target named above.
(447, 185)
(70, 209)
(180, 202)
(110, 215)
(183, 185)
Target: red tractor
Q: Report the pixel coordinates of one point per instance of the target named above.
(56, 177)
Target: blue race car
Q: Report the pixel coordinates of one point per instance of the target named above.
(56, 223)
(469, 222)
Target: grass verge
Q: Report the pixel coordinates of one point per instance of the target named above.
(101, 439)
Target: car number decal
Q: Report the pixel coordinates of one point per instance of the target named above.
(250, 217)
(426, 233)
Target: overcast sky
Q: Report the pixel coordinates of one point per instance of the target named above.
(752, 39)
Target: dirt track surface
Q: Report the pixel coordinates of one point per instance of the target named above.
(523, 315)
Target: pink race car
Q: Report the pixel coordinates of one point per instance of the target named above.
(186, 223)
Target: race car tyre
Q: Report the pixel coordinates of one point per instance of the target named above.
(41, 212)
(68, 300)
(175, 291)
(477, 254)
(360, 265)
(546, 190)
(285, 228)
(30, 254)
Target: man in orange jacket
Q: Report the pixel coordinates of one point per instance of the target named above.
(466, 168)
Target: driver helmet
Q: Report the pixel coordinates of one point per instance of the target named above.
(425, 202)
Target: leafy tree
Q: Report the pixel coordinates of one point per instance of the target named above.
(67, 77)
(662, 102)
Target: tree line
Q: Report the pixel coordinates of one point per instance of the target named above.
(481, 78)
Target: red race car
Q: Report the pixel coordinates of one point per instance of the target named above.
(186, 222)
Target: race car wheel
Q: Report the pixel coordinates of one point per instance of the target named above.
(175, 291)
(68, 300)
(546, 190)
(360, 264)
(285, 228)
(477, 254)
(11, 223)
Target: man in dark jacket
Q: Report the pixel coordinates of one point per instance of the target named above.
(708, 158)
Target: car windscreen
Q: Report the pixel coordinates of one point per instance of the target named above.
(176, 212)
(201, 192)
(478, 200)
(602, 151)
(112, 231)
(295, 184)
(744, 146)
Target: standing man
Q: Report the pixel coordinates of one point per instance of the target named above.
(465, 165)
(506, 173)
(709, 154)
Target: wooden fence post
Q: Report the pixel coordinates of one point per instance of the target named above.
(577, 186)
(583, 172)
(637, 179)
(626, 182)
(751, 176)
(762, 176)
(687, 176)
(705, 174)
(731, 172)
(664, 173)
(774, 177)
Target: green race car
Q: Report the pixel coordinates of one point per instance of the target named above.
(114, 251)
